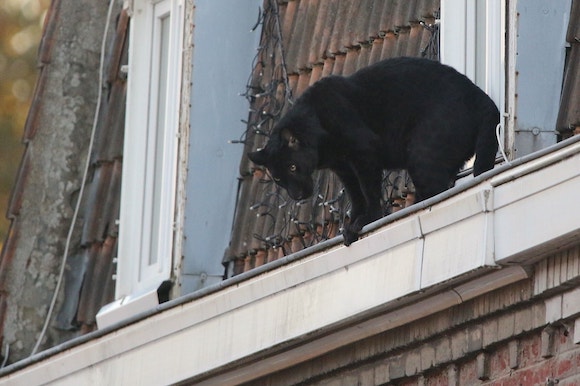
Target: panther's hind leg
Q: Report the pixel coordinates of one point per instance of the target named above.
(430, 180)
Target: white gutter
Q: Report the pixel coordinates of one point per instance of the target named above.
(444, 251)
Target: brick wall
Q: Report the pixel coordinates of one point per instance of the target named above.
(529, 359)
(517, 335)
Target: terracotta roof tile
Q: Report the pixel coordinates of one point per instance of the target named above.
(117, 55)
(101, 203)
(573, 33)
(320, 33)
(109, 145)
(98, 287)
(569, 116)
(47, 41)
(8, 252)
(15, 202)
(45, 49)
(336, 45)
(32, 124)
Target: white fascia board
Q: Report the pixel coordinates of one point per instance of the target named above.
(456, 209)
(456, 250)
(457, 236)
(536, 214)
(425, 261)
(319, 295)
(267, 311)
(232, 327)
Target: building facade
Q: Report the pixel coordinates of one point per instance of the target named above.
(142, 233)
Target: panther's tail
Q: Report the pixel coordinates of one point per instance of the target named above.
(486, 144)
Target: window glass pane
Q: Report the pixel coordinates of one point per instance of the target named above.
(160, 132)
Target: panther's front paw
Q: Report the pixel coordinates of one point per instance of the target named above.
(350, 235)
(352, 229)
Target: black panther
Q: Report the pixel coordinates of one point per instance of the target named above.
(402, 113)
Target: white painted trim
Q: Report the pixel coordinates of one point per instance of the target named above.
(146, 165)
(510, 107)
(472, 41)
(576, 331)
(340, 295)
(458, 36)
(495, 46)
(183, 147)
(554, 223)
(126, 307)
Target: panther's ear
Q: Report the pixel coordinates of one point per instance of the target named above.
(291, 139)
(258, 157)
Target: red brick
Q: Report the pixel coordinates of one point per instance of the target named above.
(467, 373)
(482, 366)
(564, 366)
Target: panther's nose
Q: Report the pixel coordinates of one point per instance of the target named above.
(297, 196)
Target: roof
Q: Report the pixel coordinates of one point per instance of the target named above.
(103, 194)
(321, 38)
(318, 39)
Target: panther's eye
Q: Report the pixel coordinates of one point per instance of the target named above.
(276, 179)
(292, 168)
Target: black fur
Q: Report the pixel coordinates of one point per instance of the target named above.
(402, 113)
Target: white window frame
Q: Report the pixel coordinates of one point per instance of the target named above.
(473, 42)
(202, 79)
(146, 225)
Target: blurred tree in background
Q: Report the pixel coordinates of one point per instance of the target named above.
(20, 32)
